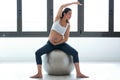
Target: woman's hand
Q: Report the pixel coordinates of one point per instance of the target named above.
(78, 3)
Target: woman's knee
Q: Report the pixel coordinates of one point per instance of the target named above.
(76, 57)
(75, 53)
(38, 53)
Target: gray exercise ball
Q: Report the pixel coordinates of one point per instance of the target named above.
(57, 62)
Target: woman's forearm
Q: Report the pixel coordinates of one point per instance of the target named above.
(60, 42)
(54, 42)
(68, 4)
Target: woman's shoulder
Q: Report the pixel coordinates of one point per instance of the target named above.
(56, 20)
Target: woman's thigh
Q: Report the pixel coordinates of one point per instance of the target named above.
(68, 49)
(45, 49)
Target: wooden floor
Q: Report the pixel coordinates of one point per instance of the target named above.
(95, 70)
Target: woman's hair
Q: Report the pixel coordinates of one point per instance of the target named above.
(66, 10)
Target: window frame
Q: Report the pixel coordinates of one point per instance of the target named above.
(21, 33)
(79, 33)
(110, 33)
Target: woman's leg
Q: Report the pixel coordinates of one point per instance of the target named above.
(39, 74)
(43, 50)
(78, 72)
(71, 51)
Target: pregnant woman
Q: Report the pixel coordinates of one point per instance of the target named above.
(58, 36)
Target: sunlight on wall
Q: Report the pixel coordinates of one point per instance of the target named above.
(90, 49)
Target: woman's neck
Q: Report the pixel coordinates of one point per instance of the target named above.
(63, 20)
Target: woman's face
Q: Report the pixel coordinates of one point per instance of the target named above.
(68, 15)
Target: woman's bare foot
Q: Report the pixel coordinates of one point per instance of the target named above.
(37, 76)
(80, 75)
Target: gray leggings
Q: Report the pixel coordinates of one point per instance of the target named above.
(48, 47)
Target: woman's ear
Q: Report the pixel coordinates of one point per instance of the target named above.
(64, 14)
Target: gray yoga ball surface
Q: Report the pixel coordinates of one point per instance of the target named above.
(57, 62)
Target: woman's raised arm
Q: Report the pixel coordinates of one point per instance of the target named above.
(62, 7)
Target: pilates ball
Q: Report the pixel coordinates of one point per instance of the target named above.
(57, 62)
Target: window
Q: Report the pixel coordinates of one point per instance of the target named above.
(96, 15)
(24, 18)
(34, 18)
(116, 16)
(34, 15)
(97, 18)
(8, 16)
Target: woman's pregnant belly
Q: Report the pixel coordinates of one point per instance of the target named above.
(55, 37)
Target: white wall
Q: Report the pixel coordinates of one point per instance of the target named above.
(90, 49)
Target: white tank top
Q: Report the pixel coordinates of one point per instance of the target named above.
(58, 28)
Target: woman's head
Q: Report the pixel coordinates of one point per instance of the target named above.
(66, 13)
